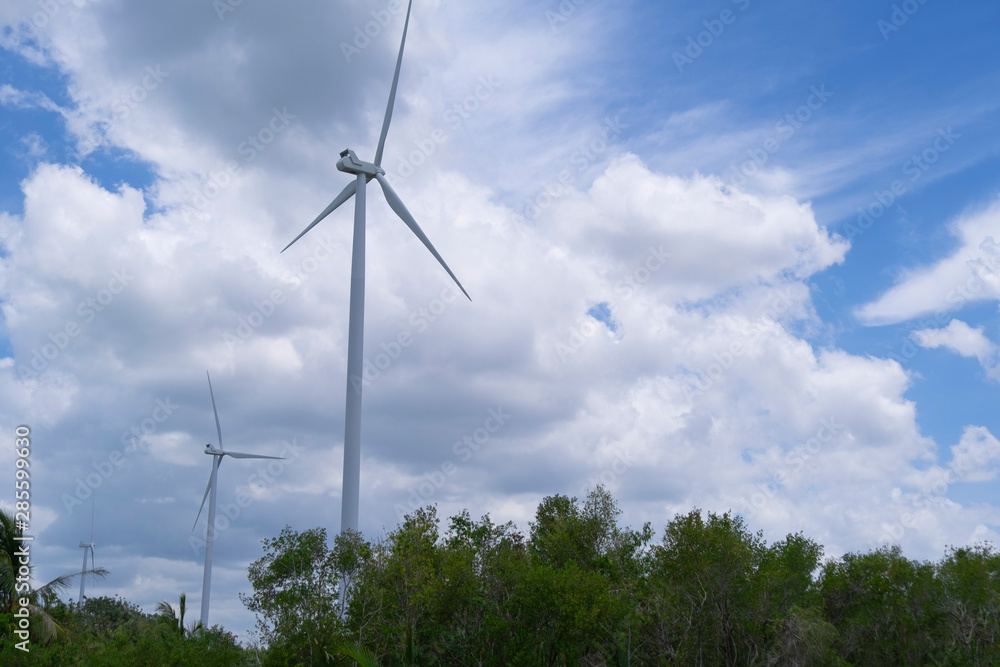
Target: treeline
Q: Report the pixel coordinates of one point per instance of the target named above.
(107, 631)
(579, 589)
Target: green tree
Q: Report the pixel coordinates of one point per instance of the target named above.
(709, 604)
(795, 630)
(598, 570)
(166, 615)
(970, 597)
(295, 598)
(15, 588)
(886, 608)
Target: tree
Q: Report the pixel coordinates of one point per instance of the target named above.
(886, 608)
(970, 597)
(580, 589)
(295, 598)
(15, 587)
(707, 605)
(166, 615)
(600, 565)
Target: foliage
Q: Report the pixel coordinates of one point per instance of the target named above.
(15, 590)
(105, 614)
(970, 599)
(114, 632)
(166, 615)
(577, 589)
(580, 589)
(296, 596)
(885, 607)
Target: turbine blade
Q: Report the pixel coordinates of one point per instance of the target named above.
(203, 499)
(238, 455)
(93, 510)
(218, 429)
(344, 195)
(392, 91)
(396, 204)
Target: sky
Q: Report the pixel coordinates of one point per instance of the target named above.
(731, 256)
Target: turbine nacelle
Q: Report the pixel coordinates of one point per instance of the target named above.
(349, 163)
(211, 489)
(364, 173)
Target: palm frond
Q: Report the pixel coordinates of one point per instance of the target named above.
(62, 583)
(165, 610)
(50, 629)
(361, 655)
(195, 627)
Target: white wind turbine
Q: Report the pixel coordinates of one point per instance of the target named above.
(88, 547)
(217, 455)
(365, 172)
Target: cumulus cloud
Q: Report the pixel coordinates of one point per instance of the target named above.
(117, 299)
(976, 458)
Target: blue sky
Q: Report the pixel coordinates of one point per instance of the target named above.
(655, 207)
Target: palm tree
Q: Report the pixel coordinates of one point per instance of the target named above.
(165, 612)
(10, 564)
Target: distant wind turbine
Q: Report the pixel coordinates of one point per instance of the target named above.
(217, 455)
(365, 172)
(88, 547)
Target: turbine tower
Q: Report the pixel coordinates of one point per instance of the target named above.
(363, 173)
(217, 456)
(88, 547)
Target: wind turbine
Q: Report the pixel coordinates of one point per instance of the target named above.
(365, 172)
(88, 547)
(217, 456)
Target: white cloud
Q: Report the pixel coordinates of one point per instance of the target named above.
(708, 395)
(976, 458)
(961, 338)
(19, 99)
(967, 275)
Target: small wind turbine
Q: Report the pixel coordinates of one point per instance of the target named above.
(217, 455)
(88, 547)
(365, 172)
